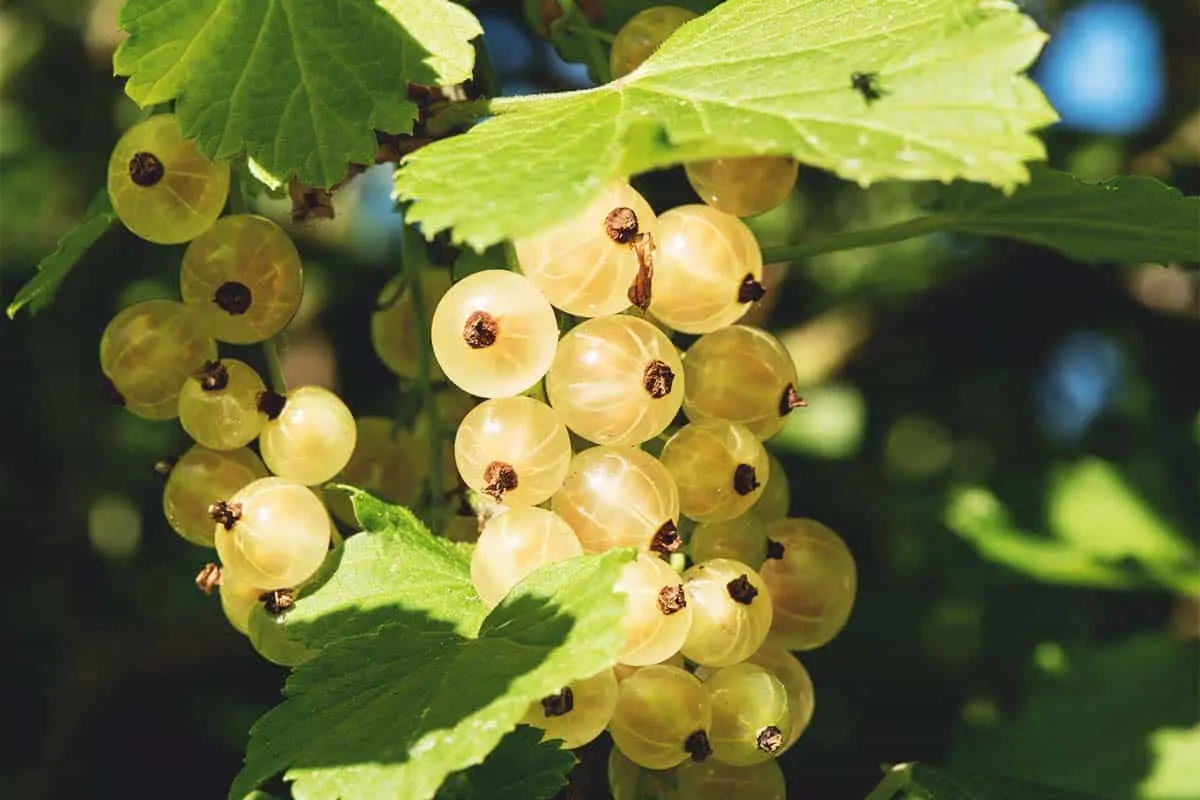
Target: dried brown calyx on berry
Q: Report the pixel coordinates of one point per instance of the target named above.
(271, 403)
(480, 330)
(750, 290)
(499, 477)
(278, 601)
(555, 705)
(233, 298)
(146, 169)
(789, 400)
(208, 578)
(666, 539)
(225, 514)
(671, 599)
(214, 377)
(745, 479)
(658, 379)
(741, 590)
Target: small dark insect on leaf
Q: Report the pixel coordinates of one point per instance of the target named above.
(866, 84)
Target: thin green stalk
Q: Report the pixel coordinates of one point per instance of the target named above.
(452, 115)
(850, 240)
(597, 61)
(238, 204)
(411, 264)
(893, 781)
(274, 365)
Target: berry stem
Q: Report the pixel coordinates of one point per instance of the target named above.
(271, 350)
(850, 240)
(596, 60)
(238, 203)
(895, 779)
(412, 256)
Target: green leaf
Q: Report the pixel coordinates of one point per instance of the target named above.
(937, 783)
(520, 768)
(300, 86)
(395, 563)
(1127, 218)
(468, 261)
(978, 516)
(390, 713)
(1091, 505)
(39, 291)
(1173, 775)
(615, 13)
(1092, 723)
(1105, 535)
(755, 76)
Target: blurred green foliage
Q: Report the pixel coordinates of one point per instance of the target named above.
(1024, 604)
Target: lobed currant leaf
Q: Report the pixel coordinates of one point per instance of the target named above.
(522, 767)
(392, 712)
(1127, 218)
(300, 86)
(395, 563)
(756, 77)
(38, 291)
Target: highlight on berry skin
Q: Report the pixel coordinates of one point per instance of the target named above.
(273, 533)
(620, 497)
(616, 380)
(311, 436)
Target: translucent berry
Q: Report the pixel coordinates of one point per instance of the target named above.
(514, 449)
(494, 334)
(616, 380)
(720, 468)
(812, 581)
(707, 269)
(160, 185)
(587, 265)
(149, 350)
(242, 278)
(731, 612)
(743, 186)
(618, 497)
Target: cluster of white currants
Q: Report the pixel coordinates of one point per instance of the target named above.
(241, 283)
(602, 434)
(760, 583)
(578, 444)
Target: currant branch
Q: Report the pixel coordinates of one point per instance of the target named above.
(412, 258)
